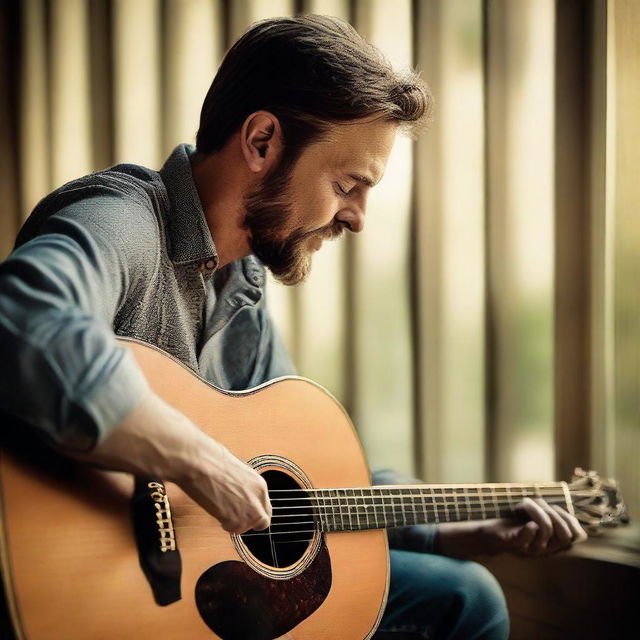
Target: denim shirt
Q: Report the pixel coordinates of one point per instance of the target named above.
(125, 252)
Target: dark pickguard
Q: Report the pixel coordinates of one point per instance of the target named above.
(238, 603)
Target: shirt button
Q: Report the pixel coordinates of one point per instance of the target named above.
(256, 277)
(208, 266)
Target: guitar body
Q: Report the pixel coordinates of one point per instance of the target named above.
(71, 564)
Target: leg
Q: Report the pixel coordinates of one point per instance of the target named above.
(441, 598)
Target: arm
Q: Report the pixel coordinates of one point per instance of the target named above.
(58, 296)
(156, 440)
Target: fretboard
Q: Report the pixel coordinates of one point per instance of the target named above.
(395, 506)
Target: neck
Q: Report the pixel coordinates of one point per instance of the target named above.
(398, 505)
(221, 185)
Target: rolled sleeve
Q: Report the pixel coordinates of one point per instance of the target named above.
(61, 369)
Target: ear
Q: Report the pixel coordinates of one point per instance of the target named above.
(261, 141)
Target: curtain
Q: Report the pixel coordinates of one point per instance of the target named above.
(481, 328)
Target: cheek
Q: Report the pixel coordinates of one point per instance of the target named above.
(316, 203)
(313, 215)
(323, 206)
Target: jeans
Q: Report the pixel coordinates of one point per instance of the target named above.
(442, 598)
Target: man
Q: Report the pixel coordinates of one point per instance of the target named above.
(295, 130)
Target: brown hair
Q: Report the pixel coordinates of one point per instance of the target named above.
(309, 71)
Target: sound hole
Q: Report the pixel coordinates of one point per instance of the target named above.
(293, 524)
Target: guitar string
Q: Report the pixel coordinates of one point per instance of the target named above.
(435, 500)
(429, 488)
(330, 510)
(435, 509)
(438, 513)
(432, 493)
(321, 530)
(560, 499)
(459, 499)
(393, 520)
(419, 500)
(432, 516)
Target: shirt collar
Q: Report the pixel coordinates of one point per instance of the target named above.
(189, 236)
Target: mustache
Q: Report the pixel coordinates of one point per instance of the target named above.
(330, 231)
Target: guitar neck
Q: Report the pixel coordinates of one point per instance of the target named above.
(384, 507)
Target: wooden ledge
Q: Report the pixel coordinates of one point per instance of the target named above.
(589, 592)
(618, 545)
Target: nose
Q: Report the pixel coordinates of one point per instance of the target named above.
(352, 217)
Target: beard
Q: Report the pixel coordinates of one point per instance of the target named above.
(274, 239)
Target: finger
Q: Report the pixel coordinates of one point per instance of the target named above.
(266, 501)
(259, 518)
(525, 536)
(262, 522)
(542, 519)
(578, 534)
(231, 526)
(562, 535)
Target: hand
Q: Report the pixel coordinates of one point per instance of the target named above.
(230, 490)
(550, 529)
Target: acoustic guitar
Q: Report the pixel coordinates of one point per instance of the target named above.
(89, 554)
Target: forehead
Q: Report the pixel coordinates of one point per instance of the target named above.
(358, 146)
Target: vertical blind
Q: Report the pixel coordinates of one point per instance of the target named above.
(485, 324)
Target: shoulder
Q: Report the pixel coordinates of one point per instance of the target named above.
(121, 202)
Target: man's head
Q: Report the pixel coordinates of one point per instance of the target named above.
(299, 86)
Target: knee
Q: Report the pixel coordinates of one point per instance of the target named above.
(480, 604)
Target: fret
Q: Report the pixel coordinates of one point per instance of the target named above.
(404, 504)
(509, 498)
(412, 498)
(326, 511)
(456, 493)
(481, 497)
(537, 491)
(435, 505)
(315, 503)
(383, 510)
(353, 510)
(345, 508)
(349, 507)
(355, 500)
(333, 512)
(375, 511)
(495, 501)
(446, 506)
(466, 497)
(390, 505)
(424, 507)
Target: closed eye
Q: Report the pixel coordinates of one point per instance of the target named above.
(343, 193)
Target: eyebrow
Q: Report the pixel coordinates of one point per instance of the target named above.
(369, 182)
